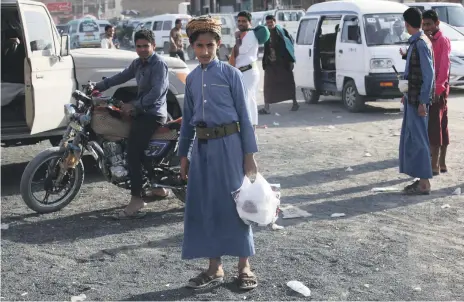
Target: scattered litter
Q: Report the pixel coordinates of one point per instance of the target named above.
(277, 227)
(336, 215)
(299, 288)
(370, 135)
(456, 192)
(309, 128)
(367, 154)
(349, 169)
(445, 206)
(367, 285)
(276, 124)
(244, 298)
(289, 212)
(331, 127)
(81, 297)
(167, 285)
(339, 116)
(24, 294)
(386, 189)
(5, 226)
(262, 126)
(440, 258)
(417, 288)
(277, 114)
(377, 269)
(397, 134)
(350, 138)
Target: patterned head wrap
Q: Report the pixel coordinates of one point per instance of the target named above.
(203, 24)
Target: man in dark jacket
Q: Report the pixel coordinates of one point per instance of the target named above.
(278, 62)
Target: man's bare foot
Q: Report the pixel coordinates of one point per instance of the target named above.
(135, 204)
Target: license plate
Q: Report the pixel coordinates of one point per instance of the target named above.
(89, 37)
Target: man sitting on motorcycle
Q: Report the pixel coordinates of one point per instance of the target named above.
(148, 112)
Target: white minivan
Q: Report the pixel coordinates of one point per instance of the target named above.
(162, 25)
(348, 48)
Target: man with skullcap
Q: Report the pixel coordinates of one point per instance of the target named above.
(215, 160)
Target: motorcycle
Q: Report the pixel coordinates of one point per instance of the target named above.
(96, 125)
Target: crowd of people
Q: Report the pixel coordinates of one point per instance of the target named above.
(218, 141)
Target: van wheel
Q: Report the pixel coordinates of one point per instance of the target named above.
(74, 45)
(223, 52)
(351, 98)
(310, 96)
(166, 48)
(190, 53)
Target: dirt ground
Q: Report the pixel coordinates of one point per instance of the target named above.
(386, 247)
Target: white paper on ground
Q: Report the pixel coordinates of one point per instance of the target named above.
(386, 189)
(289, 212)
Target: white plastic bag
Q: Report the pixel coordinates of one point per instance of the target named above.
(257, 202)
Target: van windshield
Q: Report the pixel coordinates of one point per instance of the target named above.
(385, 29)
(88, 26)
(453, 15)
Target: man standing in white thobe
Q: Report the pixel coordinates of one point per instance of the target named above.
(244, 57)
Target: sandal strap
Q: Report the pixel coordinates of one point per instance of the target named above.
(202, 278)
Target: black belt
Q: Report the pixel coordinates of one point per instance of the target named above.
(245, 68)
(217, 132)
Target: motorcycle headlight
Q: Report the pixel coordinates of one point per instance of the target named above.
(69, 111)
(381, 63)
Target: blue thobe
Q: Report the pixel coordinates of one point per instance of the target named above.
(215, 94)
(414, 141)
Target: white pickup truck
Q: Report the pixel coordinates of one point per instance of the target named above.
(33, 96)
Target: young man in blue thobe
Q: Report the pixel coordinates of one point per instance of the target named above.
(222, 154)
(414, 141)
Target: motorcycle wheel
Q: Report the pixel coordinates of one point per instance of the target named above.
(75, 179)
(180, 194)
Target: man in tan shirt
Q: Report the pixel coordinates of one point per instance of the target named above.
(107, 41)
(176, 48)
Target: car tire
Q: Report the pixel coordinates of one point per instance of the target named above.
(351, 98)
(310, 96)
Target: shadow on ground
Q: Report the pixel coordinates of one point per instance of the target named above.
(86, 225)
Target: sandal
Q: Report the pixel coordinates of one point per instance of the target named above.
(415, 190)
(203, 280)
(246, 281)
(295, 107)
(263, 111)
(123, 215)
(413, 185)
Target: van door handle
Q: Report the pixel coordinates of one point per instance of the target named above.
(39, 76)
(340, 51)
(310, 52)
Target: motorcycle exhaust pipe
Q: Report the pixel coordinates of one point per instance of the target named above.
(158, 186)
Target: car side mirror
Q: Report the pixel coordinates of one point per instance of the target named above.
(65, 45)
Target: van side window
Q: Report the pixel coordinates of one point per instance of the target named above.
(351, 32)
(73, 28)
(281, 17)
(39, 30)
(306, 32)
(147, 25)
(157, 25)
(167, 25)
